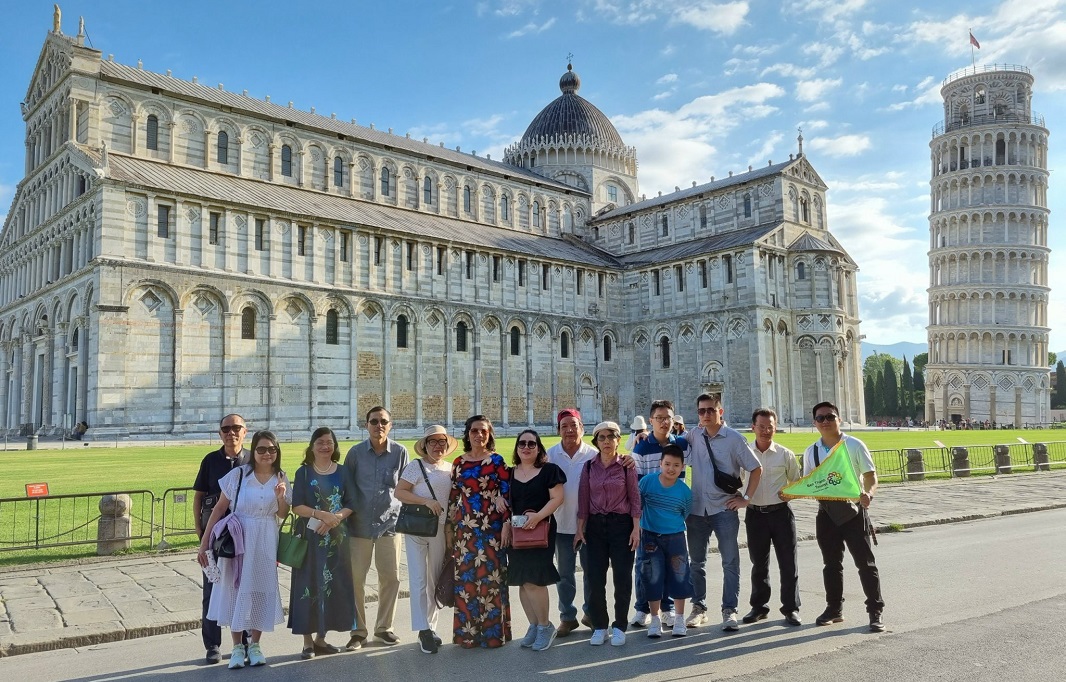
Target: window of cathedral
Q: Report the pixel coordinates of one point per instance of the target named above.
(516, 341)
(679, 275)
(655, 284)
(632, 233)
(703, 216)
(596, 234)
(536, 214)
(332, 328)
(979, 95)
(664, 352)
(496, 268)
(771, 266)
(440, 260)
(222, 150)
(410, 256)
(248, 323)
(82, 185)
(747, 205)
(163, 221)
(521, 273)
(545, 276)
(384, 182)
(345, 243)
(805, 210)
(427, 191)
(564, 345)
(505, 209)
(801, 271)
(580, 281)
(666, 226)
(260, 239)
(213, 227)
(301, 240)
(286, 160)
(152, 132)
(74, 340)
(460, 336)
(612, 194)
(338, 171)
(469, 256)
(378, 241)
(401, 331)
(728, 262)
(601, 281)
(607, 349)
(466, 198)
(703, 274)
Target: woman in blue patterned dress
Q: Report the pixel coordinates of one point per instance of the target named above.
(322, 596)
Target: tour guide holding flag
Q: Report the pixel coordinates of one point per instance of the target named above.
(840, 522)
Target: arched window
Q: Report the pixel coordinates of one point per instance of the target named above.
(805, 210)
(401, 331)
(460, 337)
(801, 271)
(536, 214)
(607, 349)
(564, 345)
(223, 147)
(703, 215)
(466, 198)
(666, 226)
(632, 233)
(286, 160)
(505, 208)
(664, 352)
(248, 323)
(747, 205)
(516, 341)
(384, 182)
(427, 191)
(152, 138)
(332, 328)
(338, 172)
(74, 340)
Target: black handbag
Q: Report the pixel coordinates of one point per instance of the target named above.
(223, 545)
(444, 593)
(418, 519)
(727, 482)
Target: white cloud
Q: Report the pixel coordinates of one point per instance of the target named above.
(827, 10)
(814, 89)
(532, 27)
(734, 66)
(718, 18)
(668, 78)
(790, 71)
(663, 95)
(840, 146)
(765, 152)
(724, 18)
(668, 50)
(827, 54)
(755, 50)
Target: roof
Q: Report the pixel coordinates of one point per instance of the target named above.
(808, 242)
(570, 114)
(698, 247)
(714, 186)
(290, 200)
(120, 72)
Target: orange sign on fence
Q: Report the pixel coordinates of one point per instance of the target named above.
(36, 490)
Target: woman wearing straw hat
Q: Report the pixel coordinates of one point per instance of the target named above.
(638, 430)
(426, 555)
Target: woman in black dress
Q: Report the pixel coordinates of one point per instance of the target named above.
(536, 492)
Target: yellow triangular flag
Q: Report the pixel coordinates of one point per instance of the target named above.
(833, 479)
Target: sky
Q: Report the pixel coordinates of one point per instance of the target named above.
(699, 87)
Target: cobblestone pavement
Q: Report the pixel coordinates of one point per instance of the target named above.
(73, 604)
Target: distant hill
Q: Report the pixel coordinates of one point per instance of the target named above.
(896, 350)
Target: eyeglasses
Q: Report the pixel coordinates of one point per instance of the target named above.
(231, 428)
(826, 418)
(437, 442)
(706, 410)
(378, 422)
(266, 450)
(663, 418)
(527, 443)
(608, 436)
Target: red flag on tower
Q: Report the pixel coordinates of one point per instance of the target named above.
(973, 41)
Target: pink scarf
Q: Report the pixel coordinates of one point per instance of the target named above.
(237, 532)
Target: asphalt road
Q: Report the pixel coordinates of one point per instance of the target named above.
(984, 600)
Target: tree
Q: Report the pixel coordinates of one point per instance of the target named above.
(868, 393)
(907, 390)
(919, 362)
(1052, 357)
(891, 390)
(879, 394)
(1058, 399)
(876, 363)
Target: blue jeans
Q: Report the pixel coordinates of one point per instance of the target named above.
(566, 561)
(726, 525)
(639, 588)
(664, 568)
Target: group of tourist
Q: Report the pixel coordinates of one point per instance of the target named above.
(526, 523)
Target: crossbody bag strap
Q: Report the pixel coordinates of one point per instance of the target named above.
(240, 479)
(710, 452)
(428, 485)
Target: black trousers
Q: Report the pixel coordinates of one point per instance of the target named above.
(777, 528)
(831, 540)
(212, 632)
(607, 543)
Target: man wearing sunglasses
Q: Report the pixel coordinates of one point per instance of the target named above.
(374, 467)
(214, 466)
(840, 524)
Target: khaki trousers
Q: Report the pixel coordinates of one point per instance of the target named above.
(385, 551)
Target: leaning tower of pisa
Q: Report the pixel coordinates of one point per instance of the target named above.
(988, 252)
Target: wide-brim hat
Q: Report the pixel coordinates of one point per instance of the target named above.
(606, 426)
(678, 419)
(638, 424)
(436, 430)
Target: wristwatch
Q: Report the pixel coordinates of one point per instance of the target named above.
(746, 498)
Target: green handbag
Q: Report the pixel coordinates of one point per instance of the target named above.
(292, 549)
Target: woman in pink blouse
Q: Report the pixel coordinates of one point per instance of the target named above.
(608, 522)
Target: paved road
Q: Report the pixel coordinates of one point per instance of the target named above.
(974, 601)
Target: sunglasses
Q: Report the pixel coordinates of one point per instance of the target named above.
(826, 418)
(266, 450)
(527, 443)
(379, 422)
(435, 442)
(231, 428)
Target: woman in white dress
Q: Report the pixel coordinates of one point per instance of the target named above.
(247, 596)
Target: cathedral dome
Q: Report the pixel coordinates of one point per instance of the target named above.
(570, 114)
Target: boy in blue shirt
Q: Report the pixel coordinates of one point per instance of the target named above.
(665, 503)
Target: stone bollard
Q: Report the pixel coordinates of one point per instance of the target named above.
(113, 529)
(960, 462)
(1002, 459)
(31, 441)
(1041, 462)
(915, 465)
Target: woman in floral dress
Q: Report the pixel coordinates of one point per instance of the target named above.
(477, 535)
(322, 597)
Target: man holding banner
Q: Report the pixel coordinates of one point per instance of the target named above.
(832, 467)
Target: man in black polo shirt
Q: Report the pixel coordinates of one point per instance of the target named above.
(213, 467)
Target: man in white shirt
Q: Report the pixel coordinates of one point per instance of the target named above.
(842, 523)
(769, 521)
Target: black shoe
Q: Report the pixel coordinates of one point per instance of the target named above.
(387, 636)
(755, 615)
(877, 623)
(436, 638)
(355, 643)
(308, 652)
(213, 655)
(325, 648)
(426, 643)
(829, 616)
(793, 618)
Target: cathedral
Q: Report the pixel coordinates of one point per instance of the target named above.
(177, 251)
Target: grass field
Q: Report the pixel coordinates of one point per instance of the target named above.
(158, 469)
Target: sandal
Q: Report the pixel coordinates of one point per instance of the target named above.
(324, 648)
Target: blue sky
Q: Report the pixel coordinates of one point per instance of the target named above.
(699, 88)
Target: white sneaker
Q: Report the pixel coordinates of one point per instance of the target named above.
(697, 618)
(640, 619)
(618, 638)
(729, 621)
(655, 628)
(236, 657)
(680, 629)
(668, 618)
(598, 637)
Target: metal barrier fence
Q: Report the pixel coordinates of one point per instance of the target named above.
(179, 517)
(68, 520)
(890, 464)
(1056, 453)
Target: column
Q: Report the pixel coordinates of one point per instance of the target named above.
(240, 156)
(419, 374)
(177, 375)
(208, 133)
(5, 348)
(353, 374)
(555, 377)
(270, 368)
(448, 350)
(230, 321)
(312, 371)
(505, 338)
(529, 375)
(171, 126)
(183, 233)
(389, 333)
(475, 331)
